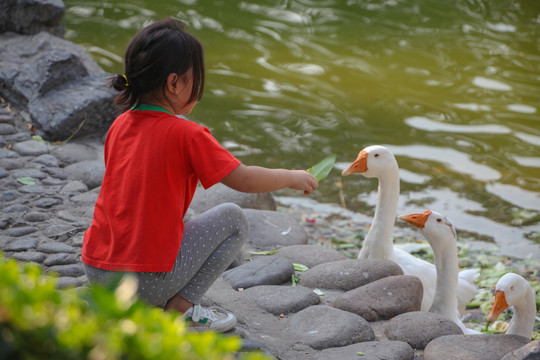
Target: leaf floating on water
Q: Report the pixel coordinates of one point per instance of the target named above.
(26, 180)
(322, 169)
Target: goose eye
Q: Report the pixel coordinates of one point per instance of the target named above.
(439, 220)
(376, 155)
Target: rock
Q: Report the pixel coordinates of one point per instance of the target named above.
(60, 259)
(72, 270)
(204, 200)
(32, 256)
(71, 153)
(36, 216)
(279, 300)
(21, 231)
(473, 347)
(64, 90)
(369, 350)
(3, 173)
(348, 274)
(87, 198)
(310, 255)
(21, 244)
(29, 172)
(270, 228)
(418, 328)
(5, 153)
(9, 195)
(47, 160)
(7, 129)
(531, 351)
(90, 172)
(384, 298)
(322, 327)
(265, 270)
(31, 148)
(74, 187)
(54, 247)
(31, 16)
(48, 202)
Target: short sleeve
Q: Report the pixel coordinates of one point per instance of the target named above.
(210, 161)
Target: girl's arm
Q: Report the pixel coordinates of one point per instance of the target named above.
(256, 179)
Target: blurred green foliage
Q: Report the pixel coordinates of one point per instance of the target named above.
(39, 321)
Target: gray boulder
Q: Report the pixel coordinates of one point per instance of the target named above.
(473, 347)
(369, 350)
(322, 327)
(383, 299)
(418, 328)
(32, 16)
(269, 229)
(348, 274)
(531, 351)
(310, 255)
(62, 88)
(280, 300)
(264, 270)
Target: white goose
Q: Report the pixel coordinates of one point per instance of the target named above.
(377, 161)
(439, 231)
(513, 290)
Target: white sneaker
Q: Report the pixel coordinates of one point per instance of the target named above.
(214, 319)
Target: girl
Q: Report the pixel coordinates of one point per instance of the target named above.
(154, 161)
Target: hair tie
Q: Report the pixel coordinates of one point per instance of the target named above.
(125, 77)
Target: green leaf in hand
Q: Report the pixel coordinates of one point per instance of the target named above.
(321, 169)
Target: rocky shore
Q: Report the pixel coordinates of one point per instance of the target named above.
(297, 289)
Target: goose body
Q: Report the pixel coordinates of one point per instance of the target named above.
(513, 290)
(440, 232)
(379, 162)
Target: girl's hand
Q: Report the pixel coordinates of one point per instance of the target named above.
(304, 181)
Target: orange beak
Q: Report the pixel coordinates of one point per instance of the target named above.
(358, 166)
(416, 219)
(498, 306)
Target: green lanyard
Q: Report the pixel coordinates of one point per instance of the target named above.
(148, 107)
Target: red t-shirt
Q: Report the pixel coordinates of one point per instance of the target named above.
(153, 162)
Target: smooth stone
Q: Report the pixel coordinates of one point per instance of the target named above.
(48, 202)
(54, 247)
(310, 255)
(71, 270)
(279, 300)
(21, 231)
(7, 129)
(52, 182)
(348, 274)
(47, 160)
(74, 187)
(473, 347)
(5, 153)
(67, 216)
(323, 326)
(36, 216)
(32, 189)
(418, 328)
(204, 200)
(16, 208)
(370, 350)
(60, 259)
(89, 172)
(21, 245)
(9, 195)
(71, 153)
(264, 270)
(383, 299)
(32, 256)
(69, 281)
(3, 173)
(31, 148)
(270, 228)
(12, 163)
(531, 351)
(29, 172)
(60, 232)
(57, 173)
(87, 198)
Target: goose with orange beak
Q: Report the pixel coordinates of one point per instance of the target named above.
(379, 162)
(513, 290)
(439, 231)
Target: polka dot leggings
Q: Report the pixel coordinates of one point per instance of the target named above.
(210, 243)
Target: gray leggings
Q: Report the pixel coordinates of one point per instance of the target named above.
(211, 241)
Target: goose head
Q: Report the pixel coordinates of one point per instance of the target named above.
(373, 161)
(432, 224)
(509, 291)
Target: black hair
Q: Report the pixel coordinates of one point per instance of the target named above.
(155, 52)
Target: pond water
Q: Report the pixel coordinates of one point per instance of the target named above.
(451, 87)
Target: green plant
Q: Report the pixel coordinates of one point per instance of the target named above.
(38, 321)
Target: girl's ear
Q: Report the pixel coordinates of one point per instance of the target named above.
(174, 83)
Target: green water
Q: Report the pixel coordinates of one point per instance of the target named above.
(451, 87)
